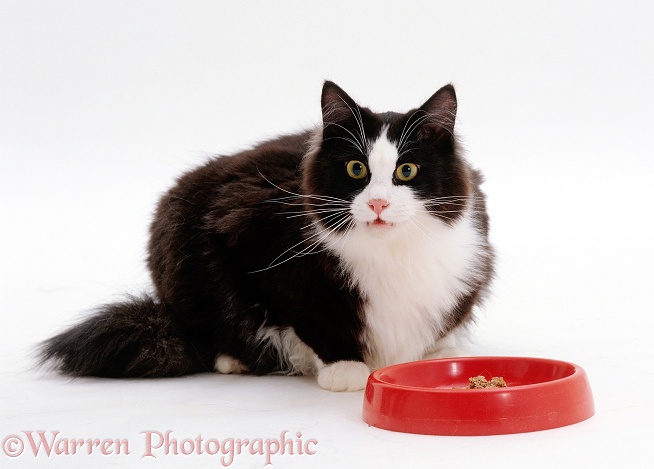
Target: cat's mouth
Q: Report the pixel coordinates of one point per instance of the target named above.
(380, 223)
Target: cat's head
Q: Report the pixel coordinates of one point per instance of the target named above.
(383, 172)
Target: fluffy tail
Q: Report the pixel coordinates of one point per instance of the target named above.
(133, 339)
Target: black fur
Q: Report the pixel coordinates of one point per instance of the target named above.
(136, 338)
(216, 232)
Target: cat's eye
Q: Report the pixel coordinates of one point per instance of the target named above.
(356, 169)
(406, 171)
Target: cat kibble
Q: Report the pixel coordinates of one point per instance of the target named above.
(480, 382)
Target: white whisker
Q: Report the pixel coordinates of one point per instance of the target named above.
(331, 212)
(354, 143)
(274, 262)
(325, 219)
(408, 131)
(325, 198)
(307, 196)
(358, 141)
(311, 212)
(417, 223)
(358, 145)
(310, 249)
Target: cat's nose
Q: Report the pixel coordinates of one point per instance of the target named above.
(378, 205)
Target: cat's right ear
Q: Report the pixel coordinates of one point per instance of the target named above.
(337, 106)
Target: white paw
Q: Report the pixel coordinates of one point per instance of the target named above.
(343, 376)
(227, 364)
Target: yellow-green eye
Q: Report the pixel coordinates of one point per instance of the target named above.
(356, 169)
(406, 171)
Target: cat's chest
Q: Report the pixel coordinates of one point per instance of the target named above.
(410, 285)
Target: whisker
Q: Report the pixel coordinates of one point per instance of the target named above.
(354, 140)
(449, 197)
(311, 212)
(354, 143)
(348, 230)
(274, 262)
(305, 196)
(300, 196)
(359, 141)
(448, 204)
(446, 201)
(444, 119)
(321, 237)
(327, 208)
(414, 221)
(339, 224)
(325, 219)
(328, 198)
(311, 249)
(441, 215)
(359, 120)
(305, 204)
(405, 148)
(456, 201)
(407, 131)
(440, 212)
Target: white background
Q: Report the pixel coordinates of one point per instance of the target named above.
(104, 104)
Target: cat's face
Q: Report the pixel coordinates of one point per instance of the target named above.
(384, 173)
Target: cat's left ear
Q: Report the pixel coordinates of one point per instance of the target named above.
(441, 109)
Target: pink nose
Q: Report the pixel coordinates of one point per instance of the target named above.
(378, 205)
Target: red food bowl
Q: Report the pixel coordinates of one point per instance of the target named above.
(430, 397)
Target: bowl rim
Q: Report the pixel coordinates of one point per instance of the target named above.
(576, 369)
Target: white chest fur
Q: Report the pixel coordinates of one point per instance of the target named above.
(410, 282)
(412, 271)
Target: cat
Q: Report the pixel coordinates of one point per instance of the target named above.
(331, 252)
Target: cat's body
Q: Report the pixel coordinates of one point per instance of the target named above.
(358, 245)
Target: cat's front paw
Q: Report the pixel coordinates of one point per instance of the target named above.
(343, 376)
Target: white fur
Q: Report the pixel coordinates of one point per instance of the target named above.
(450, 345)
(411, 272)
(297, 357)
(342, 376)
(226, 364)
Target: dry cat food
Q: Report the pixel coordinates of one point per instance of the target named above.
(480, 382)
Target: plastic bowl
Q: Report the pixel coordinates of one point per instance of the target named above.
(430, 397)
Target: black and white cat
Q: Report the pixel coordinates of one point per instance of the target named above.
(357, 245)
